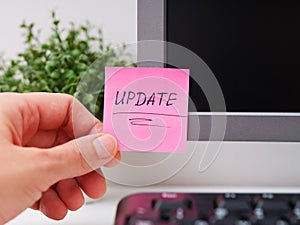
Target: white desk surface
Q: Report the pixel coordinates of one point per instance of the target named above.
(102, 212)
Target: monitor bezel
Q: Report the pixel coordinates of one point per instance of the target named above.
(240, 126)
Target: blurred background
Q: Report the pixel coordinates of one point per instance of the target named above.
(117, 18)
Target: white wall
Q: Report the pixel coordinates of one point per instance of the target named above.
(117, 18)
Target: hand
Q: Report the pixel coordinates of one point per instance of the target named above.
(50, 146)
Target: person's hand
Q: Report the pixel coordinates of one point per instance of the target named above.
(50, 146)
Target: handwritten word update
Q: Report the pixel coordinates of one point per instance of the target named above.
(141, 99)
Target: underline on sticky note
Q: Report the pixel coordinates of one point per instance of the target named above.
(148, 113)
(143, 122)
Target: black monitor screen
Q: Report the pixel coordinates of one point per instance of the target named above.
(251, 46)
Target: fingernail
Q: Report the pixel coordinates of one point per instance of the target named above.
(105, 146)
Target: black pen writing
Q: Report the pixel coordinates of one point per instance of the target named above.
(144, 122)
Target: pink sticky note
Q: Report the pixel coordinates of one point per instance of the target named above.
(146, 109)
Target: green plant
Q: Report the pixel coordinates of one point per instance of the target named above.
(59, 64)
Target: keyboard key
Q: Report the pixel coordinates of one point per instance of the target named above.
(201, 222)
(235, 204)
(282, 222)
(165, 214)
(179, 214)
(162, 204)
(221, 213)
(143, 222)
(270, 203)
(242, 222)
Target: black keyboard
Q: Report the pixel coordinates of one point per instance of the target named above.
(206, 209)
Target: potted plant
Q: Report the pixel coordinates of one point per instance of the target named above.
(59, 64)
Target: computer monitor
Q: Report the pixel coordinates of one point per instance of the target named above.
(252, 49)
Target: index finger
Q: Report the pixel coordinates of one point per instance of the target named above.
(49, 111)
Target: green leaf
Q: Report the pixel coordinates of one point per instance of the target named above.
(56, 22)
(55, 75)
(44, 46)
(50, 66)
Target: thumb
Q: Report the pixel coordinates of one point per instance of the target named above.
(80, 156)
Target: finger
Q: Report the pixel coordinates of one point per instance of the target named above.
(42, 139)
(48, 138)
(52, 206)
(70, 193)
(74, 158)
(93, 184)
(36, 205)
(115, 161)
(44, 111)
(61, 110)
